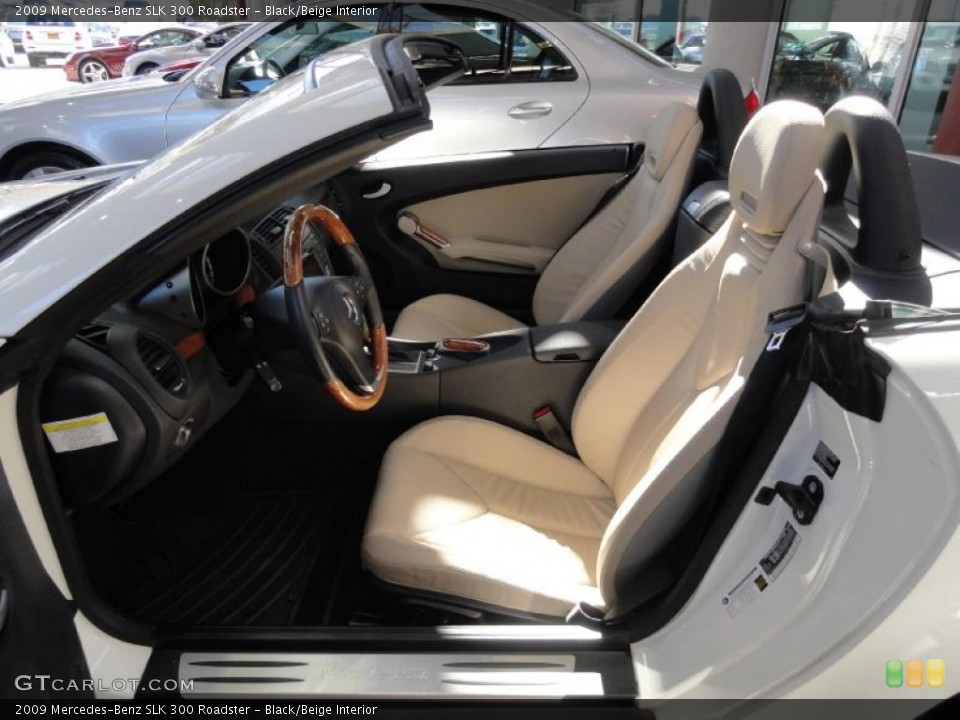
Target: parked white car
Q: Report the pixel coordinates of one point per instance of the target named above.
(203, 46)
(101, 34)
(560, 83)
(6, 50)
(54, 39)
(184, 501)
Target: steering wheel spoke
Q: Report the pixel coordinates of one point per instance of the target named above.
(345, 343)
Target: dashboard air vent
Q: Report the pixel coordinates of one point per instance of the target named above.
(163, 364)
(265, 262)
(270, 229)
(94, 335)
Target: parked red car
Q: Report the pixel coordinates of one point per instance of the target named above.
(105, 63)
(179, 66)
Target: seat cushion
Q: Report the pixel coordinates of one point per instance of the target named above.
(469, 508)
(442, 316)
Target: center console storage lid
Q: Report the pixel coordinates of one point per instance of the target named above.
(573, 342)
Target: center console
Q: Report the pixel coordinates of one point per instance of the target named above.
(503, 377)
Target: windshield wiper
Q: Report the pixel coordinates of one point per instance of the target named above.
(29, 221)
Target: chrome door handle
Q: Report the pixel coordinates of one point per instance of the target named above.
(370, 193)
(409, 224)
(530, 110)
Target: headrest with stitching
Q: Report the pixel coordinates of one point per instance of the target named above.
(774, 164)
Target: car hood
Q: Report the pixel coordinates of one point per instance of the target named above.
(92, 93)
(357, 99)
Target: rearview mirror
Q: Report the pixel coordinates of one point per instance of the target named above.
(209, 82)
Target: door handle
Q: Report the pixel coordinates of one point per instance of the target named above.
(530, 110)
(374, 192)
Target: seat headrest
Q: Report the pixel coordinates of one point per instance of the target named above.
(774, 164)
(724, 115)
(666, 135)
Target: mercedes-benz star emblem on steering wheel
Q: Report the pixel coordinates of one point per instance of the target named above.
(353, 310)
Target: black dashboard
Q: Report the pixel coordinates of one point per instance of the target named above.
(158, 370)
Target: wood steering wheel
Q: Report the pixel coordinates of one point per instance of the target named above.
(337, 320)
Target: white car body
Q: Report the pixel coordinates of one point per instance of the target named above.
(874, 578)
(135, 119)
(201, 47)
(54, 39)
(101, 34)
(6, 50)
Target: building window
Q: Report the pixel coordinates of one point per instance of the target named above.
(930, 118)
(823, 61)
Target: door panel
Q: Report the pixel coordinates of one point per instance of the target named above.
(517, 226)
(38, 638)
(373, 196)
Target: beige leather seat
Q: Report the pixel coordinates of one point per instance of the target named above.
(468, 508)
(593, 274)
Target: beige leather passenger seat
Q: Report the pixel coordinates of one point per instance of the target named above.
(474, 510)
(595, 271)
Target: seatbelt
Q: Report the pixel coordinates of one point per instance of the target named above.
(818, 279)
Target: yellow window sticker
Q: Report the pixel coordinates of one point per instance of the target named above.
(80, 433)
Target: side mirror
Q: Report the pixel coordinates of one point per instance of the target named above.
(209, 82)
(198, 45)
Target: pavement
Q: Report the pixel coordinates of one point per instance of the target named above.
(23, 81)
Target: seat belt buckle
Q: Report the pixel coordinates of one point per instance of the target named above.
(586, 615)
(550, 428)
(781, 322)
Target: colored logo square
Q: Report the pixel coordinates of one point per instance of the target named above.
(894, 673)
(935, 673)
(914, 673)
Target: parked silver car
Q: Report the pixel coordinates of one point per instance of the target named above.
(556, 84)
(203, 46)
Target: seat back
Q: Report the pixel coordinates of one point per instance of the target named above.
(657, 403)
(593, 274)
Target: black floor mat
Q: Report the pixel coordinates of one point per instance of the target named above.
(246, 563)
(258, 525)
